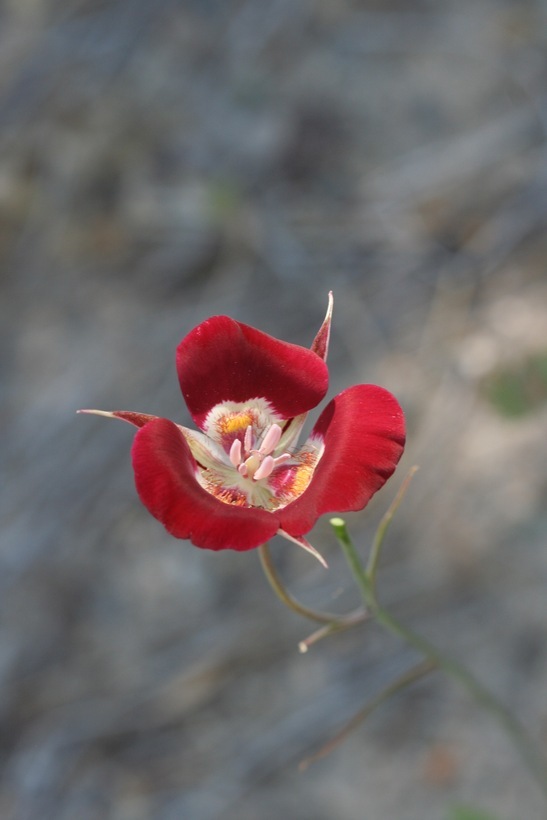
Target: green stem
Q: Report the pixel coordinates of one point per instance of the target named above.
(352, 557)
(374, 557)
(330, 623)
(411, 676)
(530, 755)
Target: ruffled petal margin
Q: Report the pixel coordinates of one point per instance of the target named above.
(165, 477)
(224, 360)
(363, 429)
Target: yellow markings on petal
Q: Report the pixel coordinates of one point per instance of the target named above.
(301, 475)
(228, 495)
(230, 419)
(233, 423)
(218, 484)
(291, 480)
(235, 473)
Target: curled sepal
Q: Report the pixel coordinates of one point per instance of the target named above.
(320, 344)
(302, 542)
(137, 419)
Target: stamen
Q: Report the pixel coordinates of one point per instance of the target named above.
(270, 440)
(265, 468)
(235, 452)
(282, 459)
(248, 442)
(257, 464)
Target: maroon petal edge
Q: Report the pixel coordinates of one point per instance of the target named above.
(364, 434)
(224, 360)
(167, 486)
(137, 419)
(320, 344)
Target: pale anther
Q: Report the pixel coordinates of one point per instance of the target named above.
(265, 468)
(235, 452)
(270, 440)
(248, 442)
(257, 464)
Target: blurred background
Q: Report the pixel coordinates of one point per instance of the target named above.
(165, 160)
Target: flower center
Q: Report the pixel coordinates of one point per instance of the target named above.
(257, 463)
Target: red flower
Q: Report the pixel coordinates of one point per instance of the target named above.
(242, 478)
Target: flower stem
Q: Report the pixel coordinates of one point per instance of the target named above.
(531, 757)
(352, 557)
(358, 616)
(284, 596)
(332, 623)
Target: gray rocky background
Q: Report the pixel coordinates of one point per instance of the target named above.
(162, 161)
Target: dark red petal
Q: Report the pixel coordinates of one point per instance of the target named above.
(364, 433)
(165, 477)
(224, 360)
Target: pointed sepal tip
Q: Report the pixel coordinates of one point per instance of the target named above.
(320, 344)
(302, 542)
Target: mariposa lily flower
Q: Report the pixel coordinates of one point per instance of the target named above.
(241, 478)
